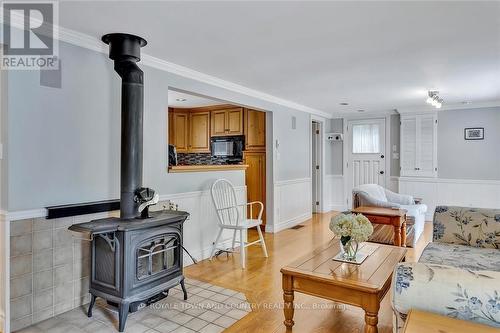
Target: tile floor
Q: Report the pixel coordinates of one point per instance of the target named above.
(209, 309)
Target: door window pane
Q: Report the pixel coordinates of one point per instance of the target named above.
(365, 139)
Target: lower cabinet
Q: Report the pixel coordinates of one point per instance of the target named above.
(255, 178)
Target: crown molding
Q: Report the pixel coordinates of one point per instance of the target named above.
(447, 107)
(362, 115)
(95, 44)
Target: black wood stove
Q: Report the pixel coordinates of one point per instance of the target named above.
(137, 257)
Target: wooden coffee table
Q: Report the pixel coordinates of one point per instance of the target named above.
(421, 321)
(362, 285)
(389, 216)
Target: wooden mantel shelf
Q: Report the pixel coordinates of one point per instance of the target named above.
(205, 168)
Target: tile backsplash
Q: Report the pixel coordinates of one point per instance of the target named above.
(200, 158)
(49, 269)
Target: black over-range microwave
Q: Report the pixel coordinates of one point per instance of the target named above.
(230, 147)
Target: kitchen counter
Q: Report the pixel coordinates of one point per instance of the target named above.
(205, 168)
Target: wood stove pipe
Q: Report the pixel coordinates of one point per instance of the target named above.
(124, 50)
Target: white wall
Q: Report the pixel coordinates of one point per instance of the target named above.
(333, 149)
(469, 159)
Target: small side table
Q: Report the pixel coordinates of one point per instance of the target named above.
(421, 321)
(389, 216)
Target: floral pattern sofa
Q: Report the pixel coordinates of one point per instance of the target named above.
(458, 274)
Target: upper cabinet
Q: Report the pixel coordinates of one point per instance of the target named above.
(255, 130)
(419, 145)
(189, 131)
(199, 132)
(180, 130)
(227, 122)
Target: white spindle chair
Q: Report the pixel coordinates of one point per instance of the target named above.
(228, 212)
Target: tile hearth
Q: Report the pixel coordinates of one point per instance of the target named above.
(209, 309)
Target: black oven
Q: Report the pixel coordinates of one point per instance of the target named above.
(229, 147)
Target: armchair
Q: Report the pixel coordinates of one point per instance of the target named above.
(458, 274)
(376, 196)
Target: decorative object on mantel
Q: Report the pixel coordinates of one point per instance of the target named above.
(352, 229)
(474, 133)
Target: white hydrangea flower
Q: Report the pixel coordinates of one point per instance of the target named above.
(355, 226)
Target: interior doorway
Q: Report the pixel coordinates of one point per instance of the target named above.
(366, 153)
(316, 166)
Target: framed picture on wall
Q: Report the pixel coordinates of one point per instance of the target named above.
(475, 133)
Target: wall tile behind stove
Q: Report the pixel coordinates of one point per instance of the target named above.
(43, 260)
(20, 245)
(21, 307)
(43, 280)
(21, 286)
(21, 265)
(49, 268)
(63, 237)
(63, 292)
(63, 255)
(43, 299)
(21, 227)
(42, 240)
(63, 274)
(42, 224)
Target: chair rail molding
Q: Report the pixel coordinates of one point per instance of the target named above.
(292, 203)
(457, 192)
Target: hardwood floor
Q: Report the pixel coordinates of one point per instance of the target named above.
(261, 283)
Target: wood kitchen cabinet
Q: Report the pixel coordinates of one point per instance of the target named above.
(227, 122)
(199, 132)
(255, 178)
(189, 131)
(180, 130)
(255, 130)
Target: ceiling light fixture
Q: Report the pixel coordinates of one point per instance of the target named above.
(181, 99)
(434, 99)
(344, 103)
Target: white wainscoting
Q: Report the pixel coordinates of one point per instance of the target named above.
(292, 203)
(455, 192)
(334, 193)
(393, 184)
(200, 230)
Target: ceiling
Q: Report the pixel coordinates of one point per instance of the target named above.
(178, 99)
(374, 55)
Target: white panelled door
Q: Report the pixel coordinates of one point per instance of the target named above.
(366, 153)
(419, 145)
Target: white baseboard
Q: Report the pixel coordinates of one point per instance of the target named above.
(336, 208)
(288, 223)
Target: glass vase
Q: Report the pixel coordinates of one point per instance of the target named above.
(349, 250)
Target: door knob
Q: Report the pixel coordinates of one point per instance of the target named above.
(382, 156)
(381, 172)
